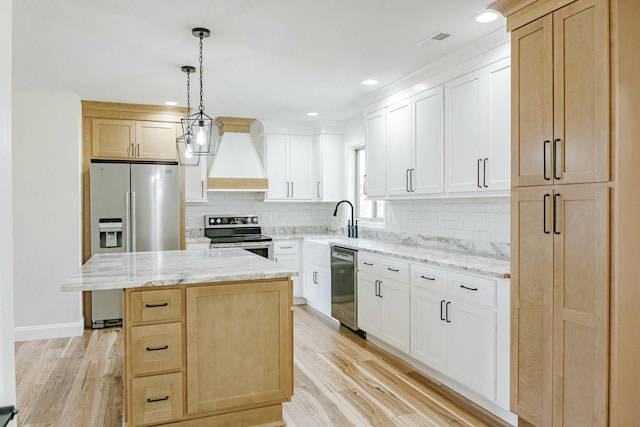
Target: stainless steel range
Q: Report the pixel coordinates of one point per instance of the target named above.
(242, 232)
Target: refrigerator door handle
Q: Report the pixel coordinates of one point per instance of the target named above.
(127, 203)
(133, 221)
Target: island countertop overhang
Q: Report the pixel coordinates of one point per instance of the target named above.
(167, 268)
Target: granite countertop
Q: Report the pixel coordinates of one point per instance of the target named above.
(165, 268)
(436, 257)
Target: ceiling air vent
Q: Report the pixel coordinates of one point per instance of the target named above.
(440, 36)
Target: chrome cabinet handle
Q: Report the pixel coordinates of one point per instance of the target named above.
(544, 159)
(478, 175)
(201, 188)
(411, 175)
(406, 180)
(556, 142)
(364, 184)
(544, 214)
(292, 188)
(287, 188)
(286, 247)
(318, 189)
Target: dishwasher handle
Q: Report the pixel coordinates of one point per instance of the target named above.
(342, 256)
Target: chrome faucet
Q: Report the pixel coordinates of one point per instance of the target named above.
(352, 227)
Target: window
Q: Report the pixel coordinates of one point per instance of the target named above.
(367, 210)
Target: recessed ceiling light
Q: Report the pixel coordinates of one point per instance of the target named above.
(369, 82)
(486, 16)
(172, 103)
(312, 114)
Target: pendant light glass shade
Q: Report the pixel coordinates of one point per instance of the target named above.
(184, 143)
(200, 128)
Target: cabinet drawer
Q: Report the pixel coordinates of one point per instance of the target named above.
(426, 277)
(156, 348)
(472, 288)
(369, 263)
(156, 399)
(286, 247)
(156, 305)
(395, 269)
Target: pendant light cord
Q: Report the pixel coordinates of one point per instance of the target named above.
(201, 90)
(188, 93)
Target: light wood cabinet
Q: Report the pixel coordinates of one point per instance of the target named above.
(561, 97)
(289, 167)
(195, 182)
(214, 354)
(127, 139)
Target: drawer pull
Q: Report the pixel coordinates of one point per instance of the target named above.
(467, 288)
(157, 348)
(286, 247)
(158, 400)
(164, 304)
(427, 278)
(368, 263)
(395, 270)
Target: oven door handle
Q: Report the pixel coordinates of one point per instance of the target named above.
(243, 245)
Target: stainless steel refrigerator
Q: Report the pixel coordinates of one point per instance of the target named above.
(135, 207)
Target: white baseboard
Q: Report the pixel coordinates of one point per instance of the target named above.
(45, 332)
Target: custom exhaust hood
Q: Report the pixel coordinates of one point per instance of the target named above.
(236, 165)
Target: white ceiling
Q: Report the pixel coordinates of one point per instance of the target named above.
(269, 59)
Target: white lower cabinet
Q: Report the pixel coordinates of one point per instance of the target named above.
(384, 299)
(287, 252)
(317, 275)
(456, 331)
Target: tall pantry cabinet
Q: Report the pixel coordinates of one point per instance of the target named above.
(575, 245)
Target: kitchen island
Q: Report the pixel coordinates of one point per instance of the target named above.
(208, 335)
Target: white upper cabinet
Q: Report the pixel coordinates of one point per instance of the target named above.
(375, 153)
(399, 149)
(477, 130)
(289, 167)
(329, 182)
(428, 136)
(195, 182)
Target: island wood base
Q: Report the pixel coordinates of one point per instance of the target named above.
(210, 354)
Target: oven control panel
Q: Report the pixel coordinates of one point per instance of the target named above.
(211, 221)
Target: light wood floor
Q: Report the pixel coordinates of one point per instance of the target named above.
(340, 380)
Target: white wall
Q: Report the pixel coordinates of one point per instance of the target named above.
(7, 364)
(47, 213)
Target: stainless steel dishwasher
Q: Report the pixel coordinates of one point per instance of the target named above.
(344, 298)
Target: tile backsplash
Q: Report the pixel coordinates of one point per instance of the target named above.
(478, 225)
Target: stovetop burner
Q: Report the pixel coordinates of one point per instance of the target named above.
(233, 229)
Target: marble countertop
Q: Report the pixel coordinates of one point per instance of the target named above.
(440, 258)
(165, 268)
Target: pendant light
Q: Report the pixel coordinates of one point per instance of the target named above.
(199, 125)
(185, 142)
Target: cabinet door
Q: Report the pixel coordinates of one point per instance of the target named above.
(330, 184)
(581, 92)
(323, 277)
(532, 103)
(310, 286)
(396, 319)
(472, 346)
(245, 360)
(277, 172)
(399, 148)
(581, 301)
(462, 138)
(195, 182)
(375, 153)
(156, 140)
(369, 304)
(428, 128)
(532, 304)
(299, 159)
(113, 138)
(497, 151)
(428, 329)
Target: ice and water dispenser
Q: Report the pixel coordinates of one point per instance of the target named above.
(110, 232)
